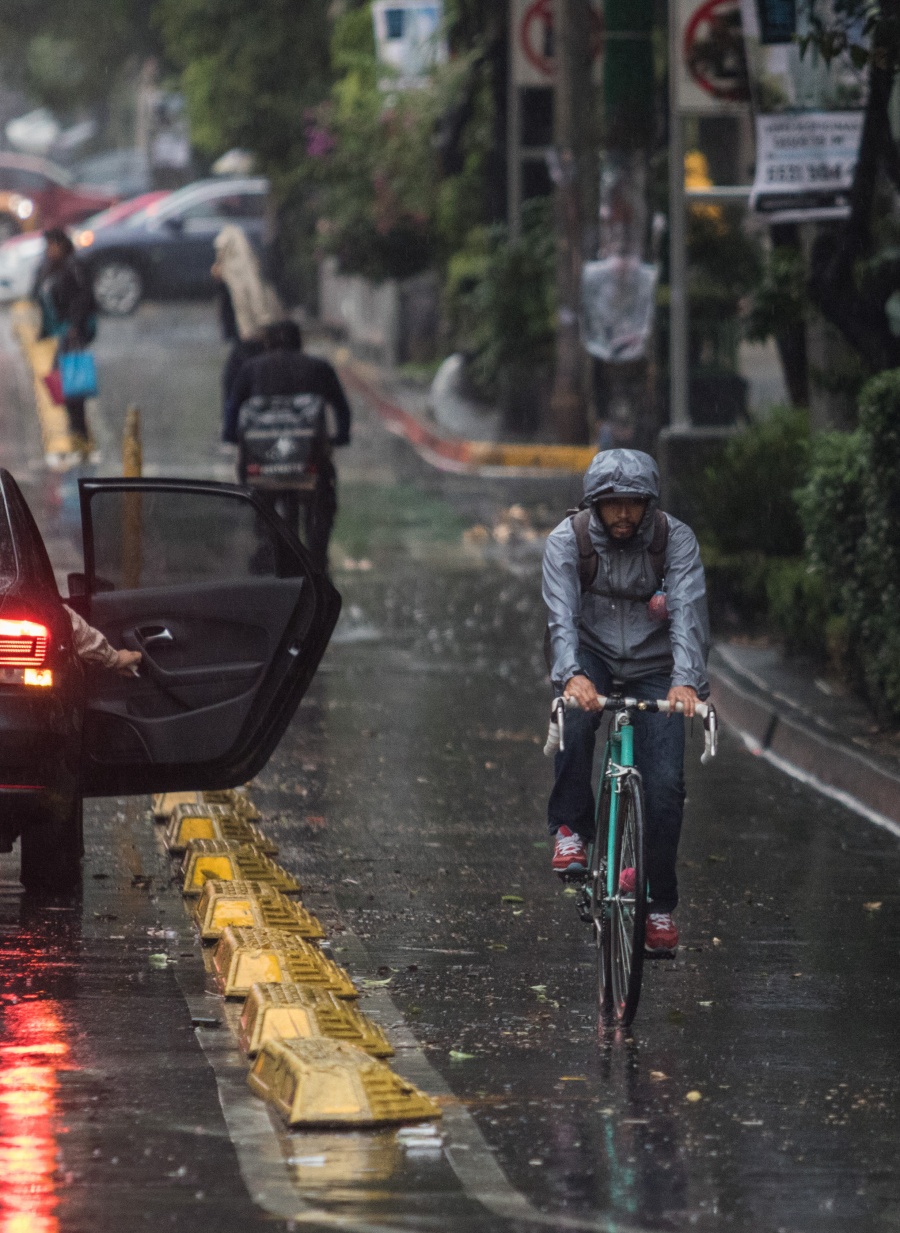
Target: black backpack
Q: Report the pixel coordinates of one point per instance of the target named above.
(283, 441)
(589, 560)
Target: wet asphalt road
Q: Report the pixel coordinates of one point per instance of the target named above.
(409, 797)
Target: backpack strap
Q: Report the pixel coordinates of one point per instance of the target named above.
(588, 560)
(658, 546)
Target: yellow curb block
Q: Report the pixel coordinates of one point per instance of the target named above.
(207, 859)
(284, 1012)
(189, 822)
(330, 1083)
(252, 905)
(246, 957)
(40, 354)
(162, 803)
(576, 458)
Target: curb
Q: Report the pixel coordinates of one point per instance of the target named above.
(842, 773)
(39, 356)
(468, 457)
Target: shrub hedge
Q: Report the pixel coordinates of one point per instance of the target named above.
(850, 509)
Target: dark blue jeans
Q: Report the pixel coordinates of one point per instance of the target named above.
(658, 755)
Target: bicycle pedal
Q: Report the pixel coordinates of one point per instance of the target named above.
(576, 878)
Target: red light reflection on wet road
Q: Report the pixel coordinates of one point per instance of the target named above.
(33, 1050)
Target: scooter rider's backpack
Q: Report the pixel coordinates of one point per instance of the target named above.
(589, 561)
(283, 440)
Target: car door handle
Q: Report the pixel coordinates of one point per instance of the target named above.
(155, 633)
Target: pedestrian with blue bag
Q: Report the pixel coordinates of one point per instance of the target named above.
(65, 295)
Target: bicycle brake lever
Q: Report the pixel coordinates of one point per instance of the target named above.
(710, 735)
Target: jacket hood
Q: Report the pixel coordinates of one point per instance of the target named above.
(622, 473)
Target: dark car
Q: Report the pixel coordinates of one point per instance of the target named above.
(58, 199)
(229, 616)
(167, 250)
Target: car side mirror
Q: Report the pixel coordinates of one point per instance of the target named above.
(77, 584)
(174, 223)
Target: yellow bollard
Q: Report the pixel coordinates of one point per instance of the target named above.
(132, 465)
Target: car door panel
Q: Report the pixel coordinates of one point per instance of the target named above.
(226, 658)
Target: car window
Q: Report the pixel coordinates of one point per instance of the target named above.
(226, 209)
(162, 539)
(18, 180)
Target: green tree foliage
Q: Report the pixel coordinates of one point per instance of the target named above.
(250, 71)
(70, 53)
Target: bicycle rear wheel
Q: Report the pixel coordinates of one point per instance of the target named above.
(620, 918)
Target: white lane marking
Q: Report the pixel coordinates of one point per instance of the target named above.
(812, 781)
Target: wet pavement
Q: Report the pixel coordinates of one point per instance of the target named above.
(409, 796)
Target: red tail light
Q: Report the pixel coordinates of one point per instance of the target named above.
(23, 644)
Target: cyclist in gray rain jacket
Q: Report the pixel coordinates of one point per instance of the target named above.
(612, 631)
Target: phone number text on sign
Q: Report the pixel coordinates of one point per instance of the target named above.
(805, 163)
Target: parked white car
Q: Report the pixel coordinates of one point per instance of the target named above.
(20, 257)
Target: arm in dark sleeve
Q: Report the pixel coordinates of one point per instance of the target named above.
(241, 389)
(333, 393)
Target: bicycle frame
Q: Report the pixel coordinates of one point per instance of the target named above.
(618, 757)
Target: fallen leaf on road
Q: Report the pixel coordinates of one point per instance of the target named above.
(456, 1056)
(694, 1096)
(512, 899)
(376, 984)
(717, 859)
(871, 907)
(496, 946)
(659, 1075)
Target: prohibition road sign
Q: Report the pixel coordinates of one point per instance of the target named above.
(536, 36)
(713, 51)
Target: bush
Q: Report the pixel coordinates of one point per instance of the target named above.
(797, 606)
(850, 508)
(500, 299)
(745, 499)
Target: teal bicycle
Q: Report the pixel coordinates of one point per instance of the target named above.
(613, 898)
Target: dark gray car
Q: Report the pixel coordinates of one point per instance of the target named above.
(166, 251)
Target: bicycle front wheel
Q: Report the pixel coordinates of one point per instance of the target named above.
(621, 912)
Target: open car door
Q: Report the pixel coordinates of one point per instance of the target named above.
(229, 616)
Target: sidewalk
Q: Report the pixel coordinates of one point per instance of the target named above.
(404, 409)
(807, 727)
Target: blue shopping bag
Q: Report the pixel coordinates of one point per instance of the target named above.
(78, 373)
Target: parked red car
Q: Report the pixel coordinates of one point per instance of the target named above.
(58, 200)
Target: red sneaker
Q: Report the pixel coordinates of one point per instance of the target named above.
(627, 881)
(661, 937)
(570, 854)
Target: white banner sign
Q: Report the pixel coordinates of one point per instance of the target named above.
(805, 163)
(409, 39)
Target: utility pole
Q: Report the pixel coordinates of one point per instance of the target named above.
(679, 406)
(571, 37)
(629, 94)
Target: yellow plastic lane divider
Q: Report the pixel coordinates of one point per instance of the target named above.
(315, 1053)
(206, 859)
(40, 355)
(331, 1083)
(163, 803)
(189, 822)
(294, 1012)
(252, 905)
(246, 957)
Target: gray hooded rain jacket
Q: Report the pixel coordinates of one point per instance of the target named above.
(608, 619)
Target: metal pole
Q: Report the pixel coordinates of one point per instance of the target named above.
(513, 136)
(132, 502)
(679, 405)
